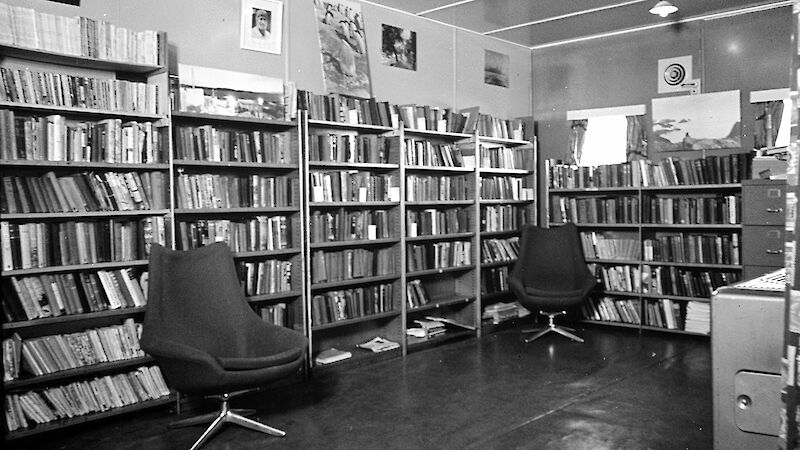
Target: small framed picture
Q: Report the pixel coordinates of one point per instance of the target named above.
(261, 25)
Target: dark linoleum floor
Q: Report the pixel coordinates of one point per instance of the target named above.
(618, 390)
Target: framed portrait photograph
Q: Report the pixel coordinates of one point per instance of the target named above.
(261, 25)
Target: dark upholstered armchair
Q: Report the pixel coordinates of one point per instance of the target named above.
(206, 338)
(551, 275)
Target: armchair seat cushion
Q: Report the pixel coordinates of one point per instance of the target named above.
(260, 362)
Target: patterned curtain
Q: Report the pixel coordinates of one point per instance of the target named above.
(578, 130)
(637, 138)
(768, 119)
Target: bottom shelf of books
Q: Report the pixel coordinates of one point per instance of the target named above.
(660, 314)
(40, 410)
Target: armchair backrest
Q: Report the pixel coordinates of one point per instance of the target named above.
(551, 258)
(195, 299)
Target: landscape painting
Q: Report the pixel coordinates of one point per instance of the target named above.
(343, 46)
(697, 122)
(398, 47)
(496, 69)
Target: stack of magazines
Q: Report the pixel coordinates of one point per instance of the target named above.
(379, 344)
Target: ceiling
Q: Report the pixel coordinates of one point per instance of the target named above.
(537, 23)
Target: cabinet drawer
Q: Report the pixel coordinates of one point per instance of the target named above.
(762, 246)
(764, 204)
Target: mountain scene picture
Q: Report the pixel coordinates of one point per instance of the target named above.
(697, 122)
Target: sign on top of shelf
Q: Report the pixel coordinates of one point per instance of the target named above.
(217, 91)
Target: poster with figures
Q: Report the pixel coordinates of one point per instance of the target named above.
(343, 46)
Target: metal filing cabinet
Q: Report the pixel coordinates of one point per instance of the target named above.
(746, 346)
(763, 222)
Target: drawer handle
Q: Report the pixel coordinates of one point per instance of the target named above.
(774, 210)
(774, 252)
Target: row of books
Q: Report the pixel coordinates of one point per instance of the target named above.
(53, 295)
(496, 127)
(500, 250)
(420, 188)
(77, 36)
(84, 397)
(351, 264)
(502, 157)
(351, 148)
(434, 222)
(419, 152)
(670, 171)
(439, 255)
(347, 225)
(276, 314)
(709, 209)
(54, 353)
(504, 217)
(210, 143)
(431, 118)
(693, 248)
(266, 277)
(243, 235)
(416, 294)
(353, 110)
(48, 244)
(345, 109)
(505, 188)
(353, 186)
(62, 90)
(83, 192)
(610, 246)
(661, 280)
(338, 305)
(694, 316)
(594, 209)
(494, 280)
(613, 309)
(215, 191)
(56, 138)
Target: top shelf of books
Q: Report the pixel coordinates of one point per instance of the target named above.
(79, 41)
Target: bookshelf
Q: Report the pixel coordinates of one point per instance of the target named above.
(440, 237)
(85, 172)
(507, 200)
(353, 202)
(660, 236)
(237, 180)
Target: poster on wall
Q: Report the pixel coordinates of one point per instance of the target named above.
(261, 25)
(343, 47)
(697, 122)
(398, 47)
(495, 68)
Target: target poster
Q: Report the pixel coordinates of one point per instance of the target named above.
(697, 122)
(675, 75)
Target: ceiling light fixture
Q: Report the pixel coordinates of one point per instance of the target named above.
(663, 8)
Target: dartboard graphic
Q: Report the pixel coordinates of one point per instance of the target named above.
(674, 74)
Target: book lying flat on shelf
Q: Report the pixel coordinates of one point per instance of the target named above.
(427, 329)
(332, 355)
(444, 321)
(379, 344)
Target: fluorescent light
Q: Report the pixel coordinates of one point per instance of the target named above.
(663, 8)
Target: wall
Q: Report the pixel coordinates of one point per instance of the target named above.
(206, 33)
(747, 52)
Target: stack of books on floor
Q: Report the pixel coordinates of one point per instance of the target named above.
(698, 317)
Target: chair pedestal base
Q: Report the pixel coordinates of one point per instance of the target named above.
(226, 415)
(552, 327)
